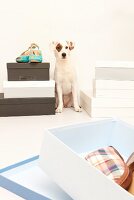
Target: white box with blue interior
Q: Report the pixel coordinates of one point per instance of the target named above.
(61, 157)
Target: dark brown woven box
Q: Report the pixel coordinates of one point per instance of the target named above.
(26, 106)
(28, 71)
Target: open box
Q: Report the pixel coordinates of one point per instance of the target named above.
(28, 181)
(61, 158)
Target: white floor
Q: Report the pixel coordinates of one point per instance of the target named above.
(21, 137)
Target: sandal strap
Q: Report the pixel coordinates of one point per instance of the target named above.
(130, 162)
(33, 46)
(25, 51)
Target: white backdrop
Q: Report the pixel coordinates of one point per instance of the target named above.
(101, 29)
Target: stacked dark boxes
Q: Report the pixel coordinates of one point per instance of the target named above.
(31, 105)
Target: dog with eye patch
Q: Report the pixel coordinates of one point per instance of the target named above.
(65, 77)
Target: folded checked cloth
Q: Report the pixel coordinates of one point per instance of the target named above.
(109, 161)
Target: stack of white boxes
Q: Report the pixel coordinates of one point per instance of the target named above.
(113, 91)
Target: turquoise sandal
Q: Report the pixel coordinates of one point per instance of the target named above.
(35, 54)
(24, 57)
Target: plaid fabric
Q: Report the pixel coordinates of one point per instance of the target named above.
(108, 162)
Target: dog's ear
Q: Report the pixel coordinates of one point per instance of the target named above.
(71, 45)
(53, 45)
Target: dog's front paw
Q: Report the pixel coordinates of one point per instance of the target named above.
(59, 110)
(78, 109)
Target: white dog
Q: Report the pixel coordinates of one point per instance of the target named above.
(65, 77)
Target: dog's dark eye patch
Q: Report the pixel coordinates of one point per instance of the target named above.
(66, 47)
(59, 47)
(71, 46)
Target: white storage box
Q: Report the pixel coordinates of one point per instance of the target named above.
(113, 85)
(24, 89)
(61, 158)
(114, 70)
(107, 106)
(114, 89)
(115, 93)
(28, 181)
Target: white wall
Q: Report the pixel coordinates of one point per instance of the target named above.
(101, 29)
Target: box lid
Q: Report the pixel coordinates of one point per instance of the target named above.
(114, 64)
(28, 65)
(29, 84)
(36, 100)
(28, 181)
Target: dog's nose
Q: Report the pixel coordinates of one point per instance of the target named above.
(63, 55)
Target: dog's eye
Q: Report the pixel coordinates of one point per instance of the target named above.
(66, 47)
(58, 48)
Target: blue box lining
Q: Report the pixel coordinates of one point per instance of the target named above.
(19, 189)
